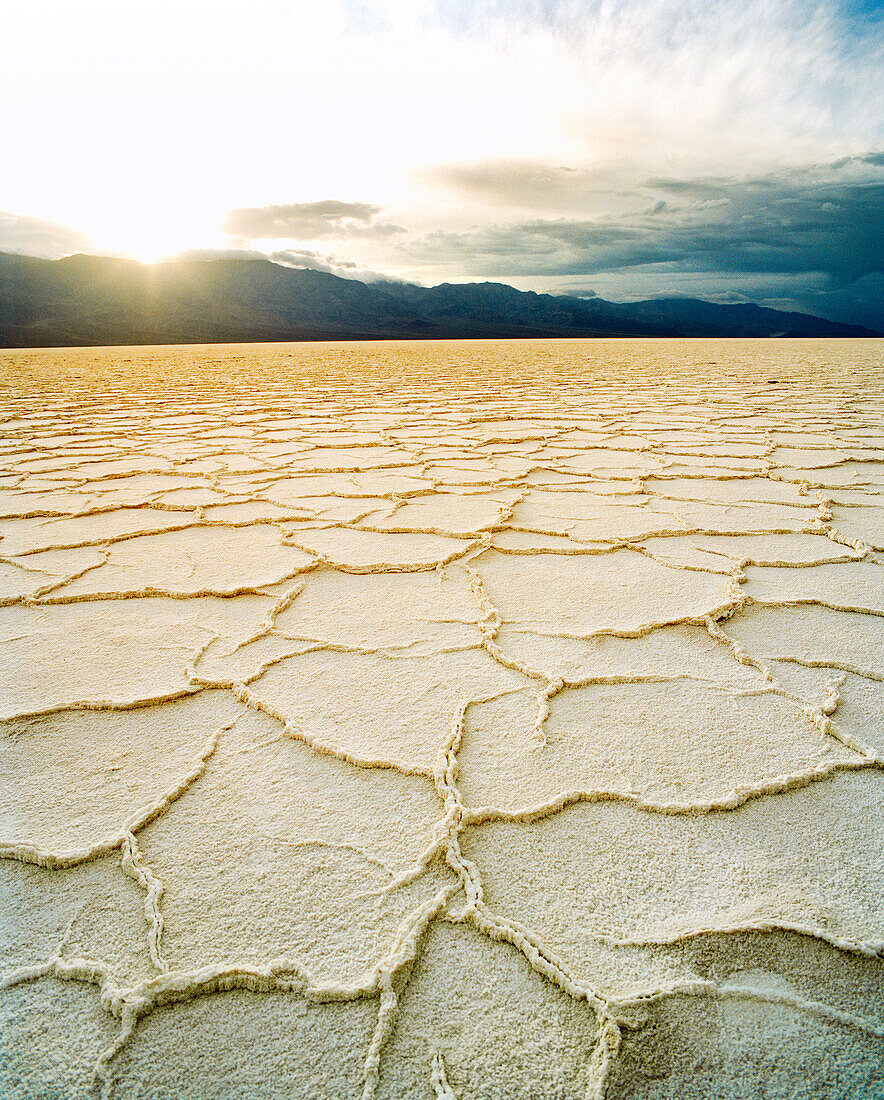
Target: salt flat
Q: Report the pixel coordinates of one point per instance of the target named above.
(470, 719)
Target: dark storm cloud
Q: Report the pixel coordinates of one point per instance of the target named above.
(823, 219)
(307, 221)
(36, 237)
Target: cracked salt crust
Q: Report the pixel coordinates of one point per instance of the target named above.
(473, 719)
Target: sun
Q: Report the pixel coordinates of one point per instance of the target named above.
(154, 230)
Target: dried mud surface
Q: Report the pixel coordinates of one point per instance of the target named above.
(461, 720)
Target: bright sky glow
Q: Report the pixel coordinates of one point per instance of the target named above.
(141, 125)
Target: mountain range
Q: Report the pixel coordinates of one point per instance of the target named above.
(85, 300)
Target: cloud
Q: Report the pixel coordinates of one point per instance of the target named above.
(817, 219)
(307, 221)
(329, 263)
(535, 185)
(701, 79)
(37, 237)
(313, 261)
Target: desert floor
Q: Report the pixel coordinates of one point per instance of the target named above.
(474, 719)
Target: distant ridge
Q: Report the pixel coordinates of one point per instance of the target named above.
(93, 300)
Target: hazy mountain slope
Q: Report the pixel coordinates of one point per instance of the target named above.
(83, 300)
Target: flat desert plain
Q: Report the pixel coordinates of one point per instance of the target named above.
(474, 719)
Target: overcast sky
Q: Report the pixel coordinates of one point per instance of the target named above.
(728, 149)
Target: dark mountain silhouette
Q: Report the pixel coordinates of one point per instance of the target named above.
(94, 300)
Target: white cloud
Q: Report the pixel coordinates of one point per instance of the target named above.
(308, 221)
(38, 237)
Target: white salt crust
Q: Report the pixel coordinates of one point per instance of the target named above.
(462, 720)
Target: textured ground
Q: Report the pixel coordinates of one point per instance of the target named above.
(475, 720)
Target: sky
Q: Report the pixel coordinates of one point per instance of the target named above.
(726, 149)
